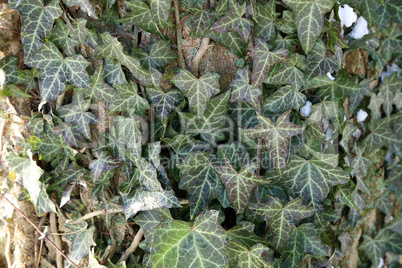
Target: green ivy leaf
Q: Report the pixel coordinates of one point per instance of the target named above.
(281, 219)
(164, 103)
(79, 30)
(244, 233)
(9, 67)
(284, 99)
(56, 71)
(385, 241)
(288, 74)
(368, 9)
(197, 90)
(381, 134)
(128, 100)
(61, 38)
(82, 242)
(70, 133)
(200, 180)
(309, 18)
(241, 256)
(230, 40)
(319, 63)
(160, 11)
(242, 90)
(112, 50)
(340, 89)
(233, 21)
(76, 112)
(50, 145)
(239, 185)
(266, 15)
(391, 11)
(159, 56)
(37, 23)
(103, 162)
(304, 240)
(264, 60)
(312, 179)
(114, 73)
(276, 136)
(198, 244)
(140, 16)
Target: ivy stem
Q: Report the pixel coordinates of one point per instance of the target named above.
(57, 240)
(182, 64)
(40, 232)
(94, 214)
(200, 53)
(8, 29)
(133, 246)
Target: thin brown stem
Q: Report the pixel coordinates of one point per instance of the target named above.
(40, 232)
(133, 246)
(182, 63)
(195, 64)
(57, 240)
(94, 214)
(40, 253)
(8, 29)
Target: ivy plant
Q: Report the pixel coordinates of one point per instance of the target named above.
(281, 166)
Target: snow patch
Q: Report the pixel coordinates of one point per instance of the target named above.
(360, 29)
(347, 15)
(391, 69)
(328, 134)
(361, 115)
(330, 76)
(2, 78)
(306, 109)
(357, 133)
(381, 263)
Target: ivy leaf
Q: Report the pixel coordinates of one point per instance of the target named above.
(376, 248)
(239, 185)
(339, 90)
(265, 17)
(288, 74)
(235, 152)
(70, 133)
(31, 173)
(127, 100)
(211, 123)
(112, 50)
(76, 112)
(85, 6)
(200, 180)
(200, 21)
(319, 63)
(82, 242)
(148, 193)
(127, 135)
(312, 179)
(160, 11)
(276, 136)
(287, 24)
(381, 134)
(56, 71)
(159, 56)
(242, 90)
(79, 30)
(241, 256)
(197, 90)
(309, 18)
(383, 203)
(284, 99)
(103, 162)
(9, 66)
(198, 244)
(140, 16)
(114, 73)
(368, 9)
(164, 103)
(230, 40)
(233, 21)
(37, 23)
(264, 60)
(281, 219)
(391, 11)
(244, 233)
(50, 145)
(60, 37)
(99, 90)
(304, 240)
(388, 93)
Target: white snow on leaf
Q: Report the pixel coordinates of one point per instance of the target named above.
(347, 15)
(361, 115)
(328, 134)
(306, 109)
(330, 76)
(381, 263)
(2, 78)
(391, 69)
(360, 29)
(357, 133)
